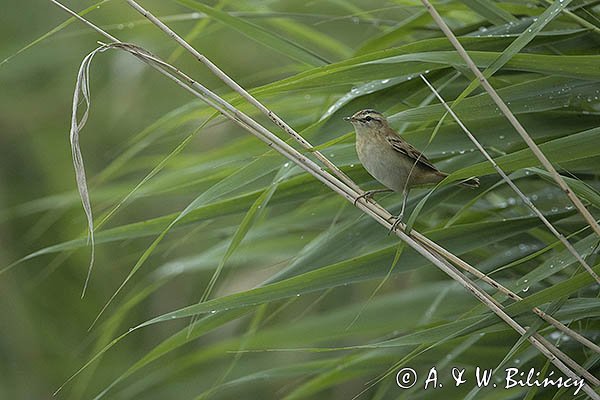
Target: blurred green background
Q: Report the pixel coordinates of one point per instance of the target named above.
(260, 219)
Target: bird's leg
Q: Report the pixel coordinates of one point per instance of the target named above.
(369, 194)
(404, 199)
(401, 215)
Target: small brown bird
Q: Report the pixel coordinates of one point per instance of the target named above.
(391, 160)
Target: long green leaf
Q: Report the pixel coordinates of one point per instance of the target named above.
(254, 32)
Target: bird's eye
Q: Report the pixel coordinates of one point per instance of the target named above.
(368, 118)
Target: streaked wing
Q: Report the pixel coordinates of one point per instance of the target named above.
(405, 148)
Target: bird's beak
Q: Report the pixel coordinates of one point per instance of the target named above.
(347, 118)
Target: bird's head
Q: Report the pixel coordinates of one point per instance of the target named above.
(367, 119)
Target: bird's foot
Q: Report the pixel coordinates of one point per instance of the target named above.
(366, 195)
(369, 194)
(397, 222)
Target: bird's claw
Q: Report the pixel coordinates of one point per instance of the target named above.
(366, 195)
(397, 221)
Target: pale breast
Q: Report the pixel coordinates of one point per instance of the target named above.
(383, 162)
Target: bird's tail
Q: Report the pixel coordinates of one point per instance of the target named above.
(470, 182)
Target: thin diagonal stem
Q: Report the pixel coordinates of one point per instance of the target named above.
(244, 93)
(515, 297)
(553, 354)
(346, 191)
(589, 218)
(512, 185)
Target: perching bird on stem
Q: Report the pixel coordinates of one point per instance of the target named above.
(391, 160)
